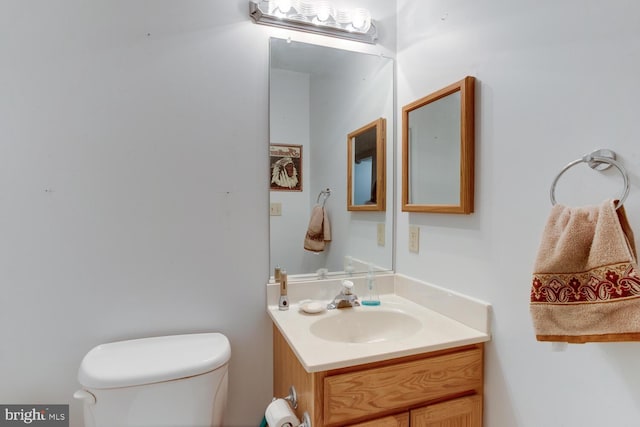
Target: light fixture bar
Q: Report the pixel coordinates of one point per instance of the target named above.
(262, 12)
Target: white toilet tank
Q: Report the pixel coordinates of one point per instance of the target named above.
(170, 381)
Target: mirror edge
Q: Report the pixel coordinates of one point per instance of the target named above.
(381, 194)
(466, 87)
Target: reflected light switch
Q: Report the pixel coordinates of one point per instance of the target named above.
(414, 238)
(275, 209)
(381, 234)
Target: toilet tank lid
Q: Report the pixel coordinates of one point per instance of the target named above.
(152, 360)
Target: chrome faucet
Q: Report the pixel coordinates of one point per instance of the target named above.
(345, 298)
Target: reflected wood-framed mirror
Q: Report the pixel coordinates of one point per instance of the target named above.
(366, 164)
(438, 151)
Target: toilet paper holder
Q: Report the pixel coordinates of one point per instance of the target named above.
(306, 420)
(292, 398)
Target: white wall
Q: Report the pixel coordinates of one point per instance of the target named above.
(555, 81)
(133, 159)
(133, 190)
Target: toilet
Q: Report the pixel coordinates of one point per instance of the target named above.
(168, 381)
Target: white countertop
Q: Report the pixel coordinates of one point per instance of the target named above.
(438, 331)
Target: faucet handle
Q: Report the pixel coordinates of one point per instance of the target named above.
(347, 285)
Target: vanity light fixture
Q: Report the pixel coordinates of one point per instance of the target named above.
(315, 16)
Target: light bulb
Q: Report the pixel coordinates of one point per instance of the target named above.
(343, 16)
(323, 11)
(283, 5)
(307, 8)
(361, 20)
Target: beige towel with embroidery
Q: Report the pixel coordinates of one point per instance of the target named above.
(586, 286)
(319, 230)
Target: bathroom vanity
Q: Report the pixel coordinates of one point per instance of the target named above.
(423, 390)
(389, 373)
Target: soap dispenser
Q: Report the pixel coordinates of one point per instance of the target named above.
(283, 302)
(372, 293)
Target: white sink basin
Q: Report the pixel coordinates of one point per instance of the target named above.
(365, 325)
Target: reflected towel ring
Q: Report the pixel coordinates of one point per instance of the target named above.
(599, 160)
(326, 193)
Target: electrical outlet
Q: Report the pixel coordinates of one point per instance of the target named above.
(414, 238)
(275, 209)
(381, 234)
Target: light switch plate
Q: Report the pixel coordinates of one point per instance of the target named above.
(414, 238)
(381, 234)
(275, 209)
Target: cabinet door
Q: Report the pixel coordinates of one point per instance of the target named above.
(400, 420)
(462, 412)
(368, 392)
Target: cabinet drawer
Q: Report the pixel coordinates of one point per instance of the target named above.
(401, 420)
(465, 411)
(377, 390)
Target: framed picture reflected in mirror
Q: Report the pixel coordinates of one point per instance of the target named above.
(286, 167)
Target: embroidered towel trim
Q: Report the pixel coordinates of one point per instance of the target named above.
(586, 286)
(319, 230)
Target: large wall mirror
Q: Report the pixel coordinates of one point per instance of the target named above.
(366, 171)
(438, 151)
(317, 97)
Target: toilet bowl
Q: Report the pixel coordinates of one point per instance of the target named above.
(178, 380)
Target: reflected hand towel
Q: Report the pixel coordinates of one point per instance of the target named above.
(319, 230)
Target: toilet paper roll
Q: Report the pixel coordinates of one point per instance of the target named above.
(280, 414)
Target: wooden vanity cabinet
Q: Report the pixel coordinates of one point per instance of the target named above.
(441, 388)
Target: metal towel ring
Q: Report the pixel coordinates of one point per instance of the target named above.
(326, 193)
(598, 160)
